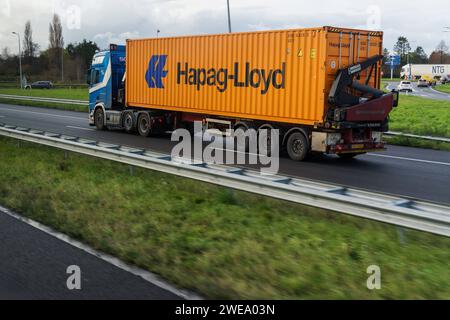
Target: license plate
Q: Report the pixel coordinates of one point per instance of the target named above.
(358, 146)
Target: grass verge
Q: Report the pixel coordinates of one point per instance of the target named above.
(421, 116)
(50, 105)
(215, 241)
(443, 88)
(417, 143)
(73, 94)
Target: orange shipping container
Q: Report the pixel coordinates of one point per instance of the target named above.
(275, 76)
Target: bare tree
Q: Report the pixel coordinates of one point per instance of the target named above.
(5, 53)
(29, 47)
(56, 45)
(56, 37)
(442, 49)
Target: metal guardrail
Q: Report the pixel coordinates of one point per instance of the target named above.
(419, 215)
(42, 99)
(408, 135)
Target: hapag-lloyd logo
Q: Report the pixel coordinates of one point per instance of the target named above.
(155, 72)
(220, 78)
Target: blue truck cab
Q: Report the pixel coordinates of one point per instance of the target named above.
(106, 83)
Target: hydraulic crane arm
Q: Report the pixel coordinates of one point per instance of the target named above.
(339, 95)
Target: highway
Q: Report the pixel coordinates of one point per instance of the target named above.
(423, 92)
(409, 172)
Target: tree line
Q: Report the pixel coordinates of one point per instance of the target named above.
(57, 63)
(403, 48)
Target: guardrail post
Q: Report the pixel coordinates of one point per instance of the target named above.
(132, 170)
(66, 155)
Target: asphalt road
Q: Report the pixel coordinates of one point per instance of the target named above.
(423, 92)
(409, 172)
(33, 265)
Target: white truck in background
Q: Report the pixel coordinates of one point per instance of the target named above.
(431, 70)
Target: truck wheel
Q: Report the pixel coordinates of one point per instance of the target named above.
(128, 122)
(348, 156)
(144, 125)
(297, 146)
(99, 119)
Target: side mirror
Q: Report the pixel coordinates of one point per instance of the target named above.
(396, 95)
(88, 77)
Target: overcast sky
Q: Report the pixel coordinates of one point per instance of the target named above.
(104, 21)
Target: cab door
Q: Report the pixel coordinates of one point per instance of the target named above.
(100, 83)
(94, 95)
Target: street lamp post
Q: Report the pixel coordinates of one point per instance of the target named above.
(62, 63)
(20, 60)
(409, 63)
(229, 16)
(446, 29)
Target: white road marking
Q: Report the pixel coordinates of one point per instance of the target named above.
(409, 159)
(145, 275)
(80, 128)
(44, 113)
(2, 116)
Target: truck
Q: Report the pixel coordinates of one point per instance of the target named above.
(417, 71)
(319, 87)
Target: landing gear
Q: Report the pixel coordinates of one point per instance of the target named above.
(297, 146)
(99, 119)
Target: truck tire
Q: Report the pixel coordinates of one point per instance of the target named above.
(297, 146)
(99, 119)
(128, 122)
(144, 125)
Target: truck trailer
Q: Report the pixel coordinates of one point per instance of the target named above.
(416, 71)
(320, 87)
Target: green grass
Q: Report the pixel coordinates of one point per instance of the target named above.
(215, 241)
(421, 116)
(443, 88)
(51, 105)
(418, 143)
(73, 94)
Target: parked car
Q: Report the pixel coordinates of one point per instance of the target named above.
(445, 79)
(405, 86)
(40, 85)
(423, 83)
(431, 81)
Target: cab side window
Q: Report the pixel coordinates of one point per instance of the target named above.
(95, 76)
